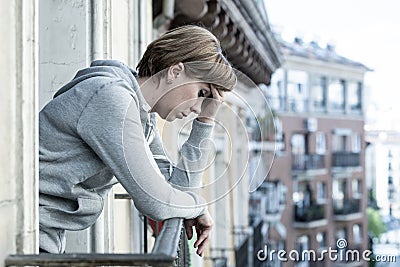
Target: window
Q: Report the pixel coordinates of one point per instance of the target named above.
(302, 244)
(321, 192)
(272, 193)
(339, 193)
(320, 139)
(276, 91)
(336, 95)
(279, 130)
(354, 96)
(357, 188)
(340, 143)
(356, 143)
(341, 233)
(318, 93)
(298, 144)
(304, 195)
(297, 89)
(357, 233)
(321, 239)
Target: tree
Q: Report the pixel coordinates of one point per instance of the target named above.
(375, 224)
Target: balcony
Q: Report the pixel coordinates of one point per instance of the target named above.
(297, 104)
(262, 208)
(166, 252)
(319, 106)
(170, 249)
(309, 216)
(345, 159)
(308, 163)
(268, 202)
(346, 210)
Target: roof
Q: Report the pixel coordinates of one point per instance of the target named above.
(313, 50)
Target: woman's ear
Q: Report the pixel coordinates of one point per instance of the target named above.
(175, 71)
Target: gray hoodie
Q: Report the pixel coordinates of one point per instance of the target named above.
(97, 131)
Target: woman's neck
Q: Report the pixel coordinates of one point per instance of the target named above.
(148, 87)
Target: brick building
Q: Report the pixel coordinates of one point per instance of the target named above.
(317, 99)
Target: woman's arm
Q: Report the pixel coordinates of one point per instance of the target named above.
(110, 125)
(193, 160)
(195, 151)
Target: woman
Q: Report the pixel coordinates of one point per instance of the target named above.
(102, 125)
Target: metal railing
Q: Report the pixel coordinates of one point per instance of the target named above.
(348, 206)
(170, 249)
(303, 162)
(345, 159)
(309, 213)
(164, 253)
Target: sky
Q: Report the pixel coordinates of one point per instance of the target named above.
(367, 31)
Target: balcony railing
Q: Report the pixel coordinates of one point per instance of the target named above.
(310, 213)
(164, 253)
(170, 249)
(267, 203)
(348, 207)
(304, 162)
(298, 105)
(345, 159)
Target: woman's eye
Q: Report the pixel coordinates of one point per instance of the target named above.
(202, 93)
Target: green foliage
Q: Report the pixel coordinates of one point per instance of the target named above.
(267, 126)
(375, 224)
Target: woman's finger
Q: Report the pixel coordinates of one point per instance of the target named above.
(200, 238)
(201, 247)
(217, 94)
(189, 228)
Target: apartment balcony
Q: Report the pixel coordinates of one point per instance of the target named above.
(347, 210)
(263, 208)
(309, 216)
(308, 163)
(297, 105)
(319, 106)
(345, 159)
(268, 202)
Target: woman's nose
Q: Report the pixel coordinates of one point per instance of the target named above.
(196, 108)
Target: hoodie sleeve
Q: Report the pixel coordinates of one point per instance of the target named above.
(193, 157)
(110, 125)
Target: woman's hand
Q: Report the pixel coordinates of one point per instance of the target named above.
(210, 106)
(203, 225)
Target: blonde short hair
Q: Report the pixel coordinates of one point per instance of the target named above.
(197, 48)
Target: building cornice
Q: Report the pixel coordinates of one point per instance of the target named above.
(248, 45)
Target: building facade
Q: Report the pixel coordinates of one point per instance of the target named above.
(317, 100)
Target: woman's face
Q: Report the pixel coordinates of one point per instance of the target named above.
(180, 101)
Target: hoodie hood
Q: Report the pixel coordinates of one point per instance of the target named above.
(103, 68)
